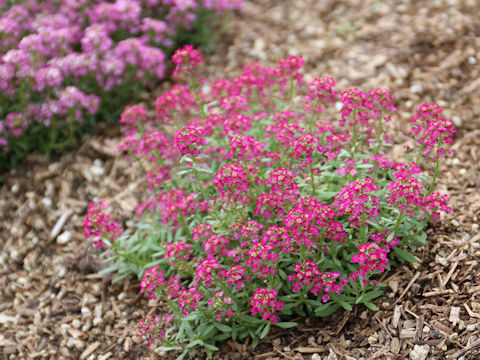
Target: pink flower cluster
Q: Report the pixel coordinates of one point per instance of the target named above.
(356, 200)
(371, 257)
(220, 305)
(97, 224)
(149, 328)
(432, 130)
(152, 278)
(264, 303)
(185, 60)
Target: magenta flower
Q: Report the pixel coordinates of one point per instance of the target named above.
(97, 224)
(371, 257)
(152, 278)
(188, 300)
(432, 131)
(264, 302)
(189, 140)
(185, 60)
(320, 94)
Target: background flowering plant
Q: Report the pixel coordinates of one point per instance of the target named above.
(66, 64)
(263, 209)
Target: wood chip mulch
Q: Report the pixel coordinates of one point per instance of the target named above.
(54, 305)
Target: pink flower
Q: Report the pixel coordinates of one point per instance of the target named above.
(185, 60)
(371, 257)
(320, 93)
(264, 302)
(97, 224)
(152, 278)
(188, 300)
(432, 130)
(356, 200)
(189, 140)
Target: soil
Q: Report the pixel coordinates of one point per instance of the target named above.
(55, 305)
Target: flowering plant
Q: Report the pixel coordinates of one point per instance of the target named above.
(66, 64)
(262, 209)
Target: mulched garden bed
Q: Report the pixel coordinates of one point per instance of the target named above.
(53, 303)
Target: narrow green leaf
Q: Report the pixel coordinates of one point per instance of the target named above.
(266, 330)
(404, 255)
(370, 305)
(286, 325)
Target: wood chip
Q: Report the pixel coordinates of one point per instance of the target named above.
(6, 319)
(454, 315)
(310, 350)
(90, 349)
(60, 223)
(397, 312)
(395, 345)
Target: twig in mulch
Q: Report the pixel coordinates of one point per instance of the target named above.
(60, 223)
(383, 327)
(415, 277)
(461, 352)
(452, 269)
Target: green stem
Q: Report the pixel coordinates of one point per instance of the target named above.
(290, 93)
(398, 222)
(312, 179)
(435, 171)
(194, 83)
(379, 134)
(354, 139)
(419, 153)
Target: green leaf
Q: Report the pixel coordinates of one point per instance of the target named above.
(370, 305)
(210, 347)
(194, 343)
(223, 328)
(250, 319)
(286, 325)
(373, 294)
(168, 348)
(326, 310)
(345, 305)
(404, 255)
(265, 330)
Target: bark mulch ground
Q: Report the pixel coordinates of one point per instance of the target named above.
(53, 303)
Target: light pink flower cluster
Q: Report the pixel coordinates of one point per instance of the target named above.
(221, 306)
(100, 45)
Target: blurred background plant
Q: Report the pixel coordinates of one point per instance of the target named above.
(66, 66)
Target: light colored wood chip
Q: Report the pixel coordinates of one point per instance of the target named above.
(60, 223)
(89, 350)
(407, 333)
(310, 350)
(395, 346)
(454, 315)
(397, 312)
(7, 318)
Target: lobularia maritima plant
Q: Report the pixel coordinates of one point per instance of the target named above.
(66, 64)
(261, 208)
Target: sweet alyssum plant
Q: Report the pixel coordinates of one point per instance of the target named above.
(66, 64)
(263, 208)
